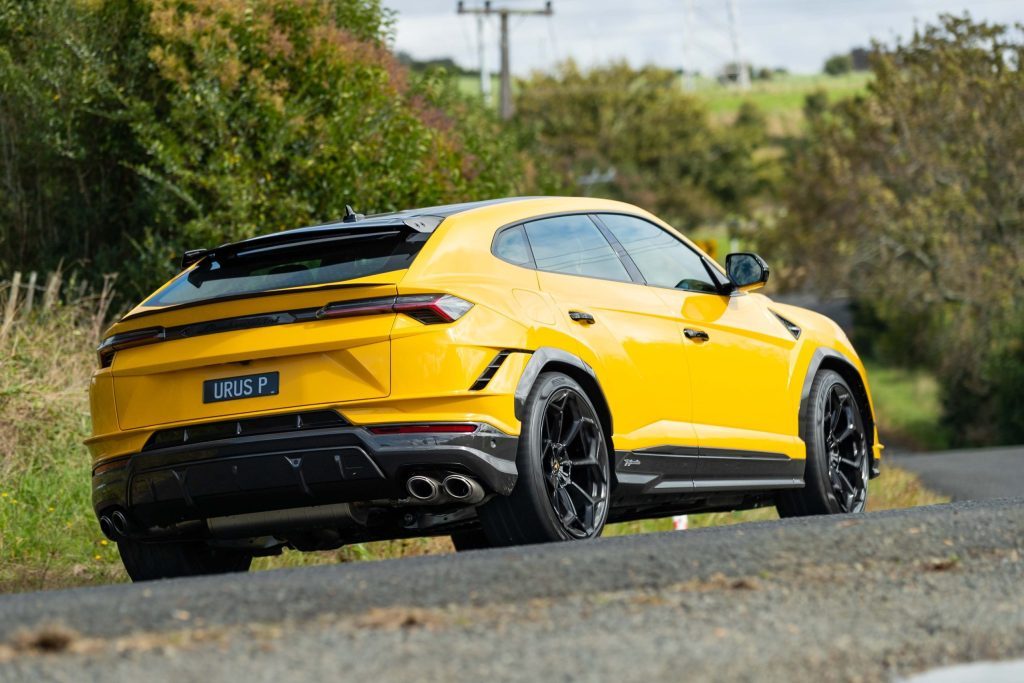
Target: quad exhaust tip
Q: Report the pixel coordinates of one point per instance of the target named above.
(463, 488)
(455, 487)
(107, 527)
(423, 488)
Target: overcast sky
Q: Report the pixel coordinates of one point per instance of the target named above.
(796, 34)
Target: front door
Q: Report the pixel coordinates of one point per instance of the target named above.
(739, 356)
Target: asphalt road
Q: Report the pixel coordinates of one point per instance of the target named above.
(980, 474)
(860, 598)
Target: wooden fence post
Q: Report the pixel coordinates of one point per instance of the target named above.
(52, 290)
(30, 294)
(12, 305)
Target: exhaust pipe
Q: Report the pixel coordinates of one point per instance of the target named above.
(423, 488)
(463, 489)
(107, 527)
(119, 522)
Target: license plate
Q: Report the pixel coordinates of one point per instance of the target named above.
(246, 386)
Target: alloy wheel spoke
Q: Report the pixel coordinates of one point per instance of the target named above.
(569, 514)
(583, 492)
(574, 431)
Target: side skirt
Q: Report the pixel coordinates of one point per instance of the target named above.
(691, 470)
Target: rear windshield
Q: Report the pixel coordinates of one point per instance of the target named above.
(316, 261)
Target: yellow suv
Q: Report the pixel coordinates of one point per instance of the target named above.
(503, 372)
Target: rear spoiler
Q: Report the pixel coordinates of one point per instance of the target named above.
(421, 224)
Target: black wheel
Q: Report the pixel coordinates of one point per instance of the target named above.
(474, 539)
(149, 561)
(564, 483)
(838, 461)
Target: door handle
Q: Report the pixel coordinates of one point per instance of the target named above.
(696, 335)
(581, 317)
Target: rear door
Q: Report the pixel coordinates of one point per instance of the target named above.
(623, 332)
(738, 353)
(246, 331)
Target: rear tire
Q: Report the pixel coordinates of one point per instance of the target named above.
(563, 489)
(838, 462)
(150, 561)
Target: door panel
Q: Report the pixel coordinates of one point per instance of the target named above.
(740, 375)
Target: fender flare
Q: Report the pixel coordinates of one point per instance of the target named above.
(821, 354)
(540, 358)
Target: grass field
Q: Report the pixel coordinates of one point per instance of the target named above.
(908, 407)
(49, 536)
(781, 98)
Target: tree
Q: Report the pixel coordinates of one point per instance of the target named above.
(837, 65)
(633, 134)
(136, 128)
(912, 198)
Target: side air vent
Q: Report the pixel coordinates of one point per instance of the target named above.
(790, 326)
(273, 424)
(491, 370)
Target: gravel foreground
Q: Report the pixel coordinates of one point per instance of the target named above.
(860, 598)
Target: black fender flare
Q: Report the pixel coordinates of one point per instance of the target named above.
(538, 360)
(838, 361)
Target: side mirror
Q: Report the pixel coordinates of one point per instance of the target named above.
(747, 272)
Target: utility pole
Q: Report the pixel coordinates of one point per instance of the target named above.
(690, 76)
(743, 77)
(503, 13)
(481, 49)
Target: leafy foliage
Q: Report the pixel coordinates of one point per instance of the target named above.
(633, 134)
(912, 198)
(135, 128)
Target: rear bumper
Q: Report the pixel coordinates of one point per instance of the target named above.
(254, 473)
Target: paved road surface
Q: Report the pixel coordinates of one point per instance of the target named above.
(860, 598)
(979, 474)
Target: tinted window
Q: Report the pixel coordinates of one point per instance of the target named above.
(512, 247)
(663, 260)
(320, 260)
(574, 245)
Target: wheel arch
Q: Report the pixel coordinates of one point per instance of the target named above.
(550, 359)
(830, 359)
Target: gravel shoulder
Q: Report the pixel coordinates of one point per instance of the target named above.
(864, 597)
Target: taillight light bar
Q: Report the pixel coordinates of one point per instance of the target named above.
(127, 340)
(429, 309)
(423, 429)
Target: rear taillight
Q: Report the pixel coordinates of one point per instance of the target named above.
(127, 340)
(423, 429)
(429, 309)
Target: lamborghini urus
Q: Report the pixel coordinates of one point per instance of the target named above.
(504, 372)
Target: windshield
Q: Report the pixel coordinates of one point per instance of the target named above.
(316, 261)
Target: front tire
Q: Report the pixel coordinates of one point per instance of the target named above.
(563, 489)
(151, 561)
(838, 460)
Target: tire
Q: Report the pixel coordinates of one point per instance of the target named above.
(563, 489)
(475, 539)
(838, 462)
(150, 561)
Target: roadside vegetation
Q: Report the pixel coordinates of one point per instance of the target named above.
(133, 129)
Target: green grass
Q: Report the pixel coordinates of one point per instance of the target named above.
(908, 408)
(781, 98)
(50, 538)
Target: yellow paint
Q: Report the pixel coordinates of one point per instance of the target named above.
(740, 389)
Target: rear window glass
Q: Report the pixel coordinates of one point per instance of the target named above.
(318, 261)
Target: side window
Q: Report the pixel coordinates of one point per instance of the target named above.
(511, 246)
(574, 245)
(663, 260)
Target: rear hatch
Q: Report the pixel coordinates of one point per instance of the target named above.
(278, 322)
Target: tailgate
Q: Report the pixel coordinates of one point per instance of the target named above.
(315, 361)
